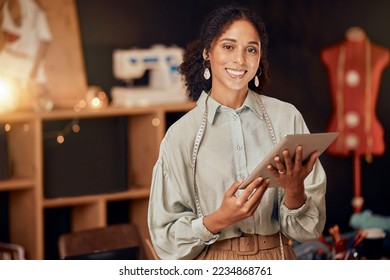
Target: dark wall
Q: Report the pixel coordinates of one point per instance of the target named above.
(298, 30)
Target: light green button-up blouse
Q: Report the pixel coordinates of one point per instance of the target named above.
(234, 142)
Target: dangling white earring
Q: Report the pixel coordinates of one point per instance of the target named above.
(206, 73)
(257, 81)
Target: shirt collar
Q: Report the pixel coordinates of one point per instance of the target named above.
(213, 105)
(252, 102)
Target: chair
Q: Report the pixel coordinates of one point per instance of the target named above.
(151, 250)
(10, 251)
(121, 241)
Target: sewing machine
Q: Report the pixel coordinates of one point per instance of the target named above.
(164, 83)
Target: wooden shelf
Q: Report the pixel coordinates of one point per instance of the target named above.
(145, 129)
(110, 111)
(14, 184)
(140, 193)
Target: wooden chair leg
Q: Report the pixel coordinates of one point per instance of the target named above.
(151, 250)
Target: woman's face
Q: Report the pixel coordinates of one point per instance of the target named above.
(235, 57)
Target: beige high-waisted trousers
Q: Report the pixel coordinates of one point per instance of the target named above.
(249, 247)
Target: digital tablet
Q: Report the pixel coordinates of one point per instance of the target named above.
(314, 142)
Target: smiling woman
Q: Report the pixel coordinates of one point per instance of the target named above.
(234, 60)
(196, 209)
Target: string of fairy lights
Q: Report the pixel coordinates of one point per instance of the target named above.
(95, 98)
(70, 127)
(59, 135)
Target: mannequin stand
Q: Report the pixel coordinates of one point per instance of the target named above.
(357, 200)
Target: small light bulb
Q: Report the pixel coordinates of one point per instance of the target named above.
(60, 139)
(156, 122)
(7, 127)
(96, 98)
(96, 103)
(76, 128)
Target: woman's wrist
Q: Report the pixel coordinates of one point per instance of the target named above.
(295, 201)
(214, 223)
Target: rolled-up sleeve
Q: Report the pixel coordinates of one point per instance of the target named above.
(308, 221)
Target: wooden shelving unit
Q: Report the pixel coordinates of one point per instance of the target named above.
(146, 128)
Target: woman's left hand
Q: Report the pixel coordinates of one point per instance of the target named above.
(291, 174)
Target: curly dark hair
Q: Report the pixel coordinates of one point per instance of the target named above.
(216, 23)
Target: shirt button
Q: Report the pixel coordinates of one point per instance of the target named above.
(239, 147)
(234, 118)
(242, 176)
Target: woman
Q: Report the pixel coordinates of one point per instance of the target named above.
(197, 210)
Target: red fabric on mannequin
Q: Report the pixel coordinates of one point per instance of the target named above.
(355, 67)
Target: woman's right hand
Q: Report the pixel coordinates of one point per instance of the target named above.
(234, 209)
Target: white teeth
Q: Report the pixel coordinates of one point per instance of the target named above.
(235, 72)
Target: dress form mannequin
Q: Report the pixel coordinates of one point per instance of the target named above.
(354, 68)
